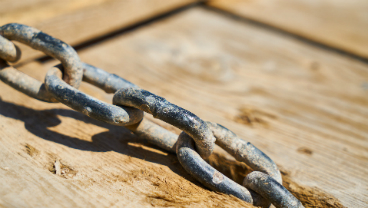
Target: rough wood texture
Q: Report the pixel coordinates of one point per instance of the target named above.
(303, 106)
(338, 23)
(81, 20)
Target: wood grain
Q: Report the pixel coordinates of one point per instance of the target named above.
(33, 12)
(77, 21)
(337, 23)
(304, 107)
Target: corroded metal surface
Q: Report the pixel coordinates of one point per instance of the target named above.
(206, 174)
(155, 134)
(79, 101)
(270, 189)
(160, 108)
(245, 151)
(24, 83)
(113, 114)
(50, 46)
(110, 83)
(9, 51)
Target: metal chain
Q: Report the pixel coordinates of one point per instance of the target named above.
(261, 187)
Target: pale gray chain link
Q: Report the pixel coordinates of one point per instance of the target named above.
(261, 187)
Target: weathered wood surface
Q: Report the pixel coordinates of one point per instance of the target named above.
(75, 21)
(303, 106)
(338, 23)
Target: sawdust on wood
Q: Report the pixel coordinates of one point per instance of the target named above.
(311, 197)
(175, 191)
(57, 167)
(61, 169)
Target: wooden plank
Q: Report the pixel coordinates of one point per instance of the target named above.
(303, 106)
(81, 20)
(32, 12)
(340, 24)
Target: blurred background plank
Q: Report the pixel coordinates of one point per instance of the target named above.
(75, 21)
(337, 23)
(302, 105)
(31, 12)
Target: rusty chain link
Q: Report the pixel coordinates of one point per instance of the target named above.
(261, 187)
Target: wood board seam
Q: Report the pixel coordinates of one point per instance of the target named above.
(285, 32)
(121, 31)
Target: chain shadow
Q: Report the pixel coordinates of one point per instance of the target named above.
(117, 138)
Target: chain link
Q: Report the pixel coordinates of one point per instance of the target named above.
(49, 45)
(162, 109)
(81, 102)
(9, 51)
(261, 187)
